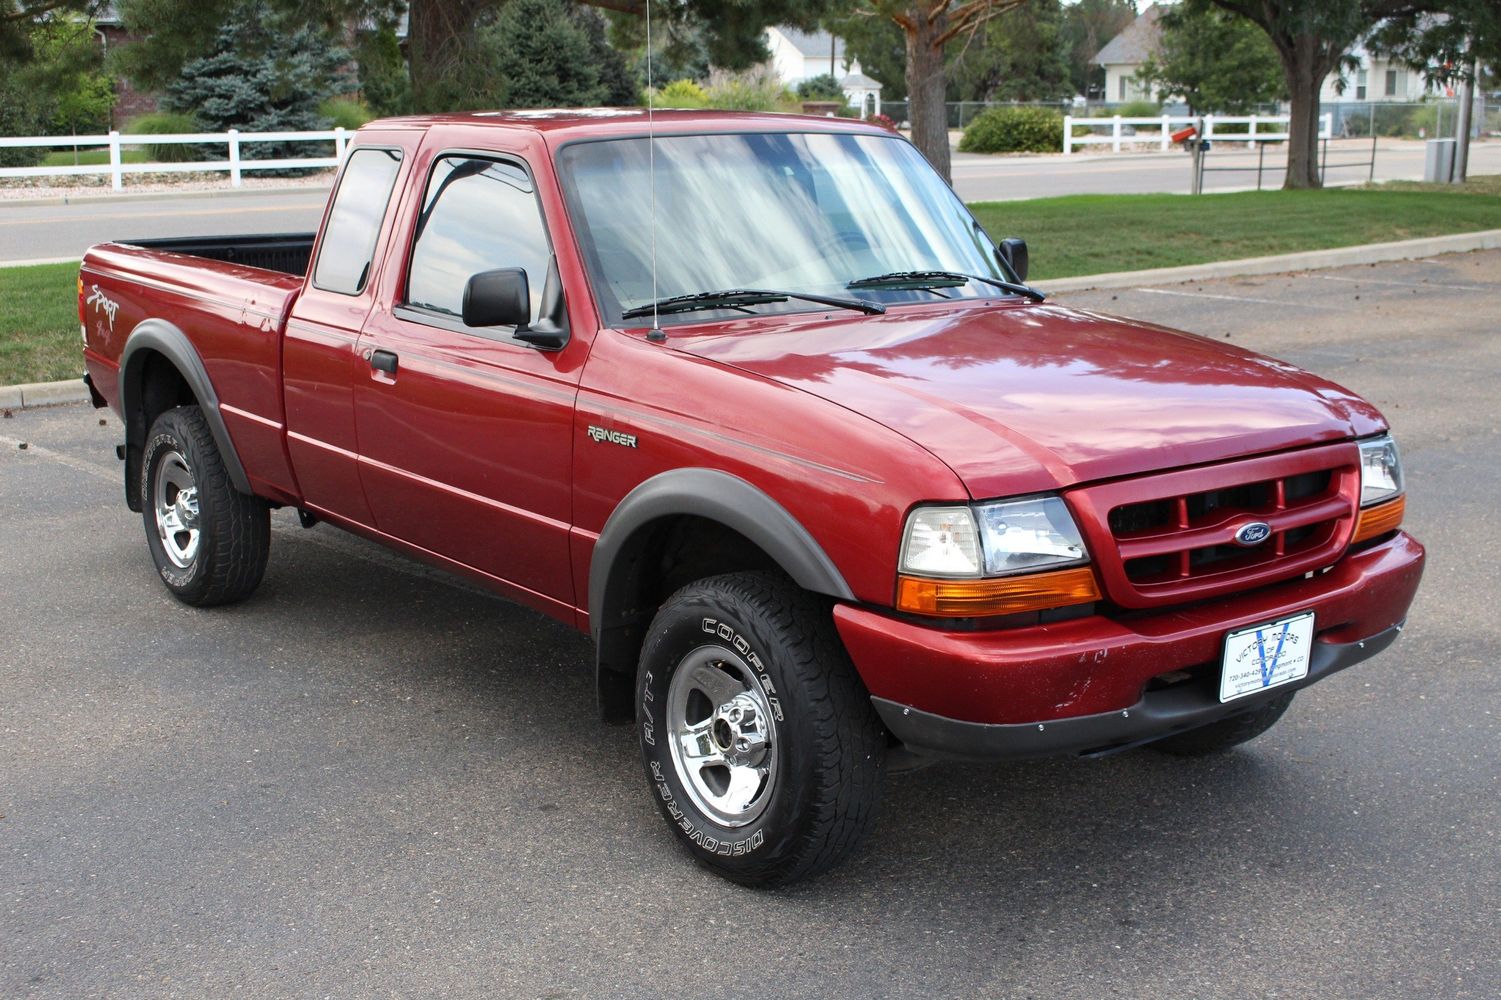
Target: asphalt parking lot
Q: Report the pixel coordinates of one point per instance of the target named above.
(372, 780)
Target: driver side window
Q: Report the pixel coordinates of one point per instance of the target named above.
(478, 214)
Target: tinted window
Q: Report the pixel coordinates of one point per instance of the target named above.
(349, 238)
(477, 215)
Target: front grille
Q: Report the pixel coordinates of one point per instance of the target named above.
(1171, 537)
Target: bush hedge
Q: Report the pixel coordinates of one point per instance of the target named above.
(1014, 130)
(166, 123)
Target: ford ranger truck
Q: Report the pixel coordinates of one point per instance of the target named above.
(755, 402)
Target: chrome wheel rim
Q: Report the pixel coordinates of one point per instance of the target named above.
(721, 735)
(175, 501)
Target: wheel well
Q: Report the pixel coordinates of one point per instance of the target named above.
(152, 387)
(659, 558)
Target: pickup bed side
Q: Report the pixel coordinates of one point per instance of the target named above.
(163, 329)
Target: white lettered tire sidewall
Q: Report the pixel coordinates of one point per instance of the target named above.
(830, 746)
(163, 441)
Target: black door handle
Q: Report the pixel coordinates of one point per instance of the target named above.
(383, 361)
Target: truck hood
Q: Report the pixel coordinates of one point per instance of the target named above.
(1017, 398)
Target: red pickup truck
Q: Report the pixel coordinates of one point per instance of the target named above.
(756, 402)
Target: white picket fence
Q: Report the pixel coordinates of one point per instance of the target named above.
(1166, 125)
(233, 162)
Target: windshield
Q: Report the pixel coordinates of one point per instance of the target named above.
(797, 212)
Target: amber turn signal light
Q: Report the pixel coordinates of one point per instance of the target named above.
(1005, 596)
(1380, 519)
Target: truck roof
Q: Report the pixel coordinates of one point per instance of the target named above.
(559, 123)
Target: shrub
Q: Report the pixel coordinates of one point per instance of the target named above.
(882, 120)
(384, 83)
(754, 90)
(681, 94)
(821, 88)
(1014, 130)
(344, 112)
(166, 123)
(1138, 109)
(23, 111)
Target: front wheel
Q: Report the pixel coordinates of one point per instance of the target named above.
(209, 541)
(760, 743)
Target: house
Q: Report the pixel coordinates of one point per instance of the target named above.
(130, 101)
(1378, 78)
(800, 55)
(1124, 55)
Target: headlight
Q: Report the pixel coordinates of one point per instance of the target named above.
(1021, 535)
(995, 558)
(942, 542)
(1380, 470)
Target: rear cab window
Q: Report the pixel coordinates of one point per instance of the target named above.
(354, 221)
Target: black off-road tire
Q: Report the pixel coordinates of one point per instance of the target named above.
(1217, 737)
(234, 530)
(829, 745)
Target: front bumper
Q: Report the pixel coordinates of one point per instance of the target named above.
(1084, 685)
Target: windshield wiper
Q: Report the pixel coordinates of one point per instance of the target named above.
(731, 298)
(926, 280)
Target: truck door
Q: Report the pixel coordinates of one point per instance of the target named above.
(465, 433)
(320, 361)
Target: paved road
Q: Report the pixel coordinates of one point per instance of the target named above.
(28, 232)
(370, 780)
(1005, 178)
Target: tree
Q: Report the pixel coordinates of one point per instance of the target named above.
(821, 88)
(260, 77)
(51, 81)
(1087, 26)
(1449, 48)
(1214, 60)
(879, 46)
(535, 54)
(927, 27)
(20, 18)
(1311, 38)
(441, 32)
(1023, 57)
(384, 83)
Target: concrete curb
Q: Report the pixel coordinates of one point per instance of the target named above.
(36, 394)
(35, 261)
(1308, 260)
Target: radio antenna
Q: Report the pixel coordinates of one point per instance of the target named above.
(651, 180)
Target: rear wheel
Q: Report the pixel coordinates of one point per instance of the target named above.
(760, 744)
(1217, 737)
(209, 541)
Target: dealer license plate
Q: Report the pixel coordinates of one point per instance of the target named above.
(1265, 656)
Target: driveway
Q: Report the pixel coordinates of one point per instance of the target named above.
(373, 780)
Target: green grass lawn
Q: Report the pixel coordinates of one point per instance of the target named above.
(39, 339)
(1082, 234)
(90, 157)
(1092, 234)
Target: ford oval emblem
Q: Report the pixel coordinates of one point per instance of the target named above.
(1253, 534)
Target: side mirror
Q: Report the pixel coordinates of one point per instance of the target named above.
(498, 298)
(1013, 253)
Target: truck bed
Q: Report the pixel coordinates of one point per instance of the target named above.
(284, 252)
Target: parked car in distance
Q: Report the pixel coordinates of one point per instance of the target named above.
(755, 402)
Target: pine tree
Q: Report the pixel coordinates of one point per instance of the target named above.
(261, 78)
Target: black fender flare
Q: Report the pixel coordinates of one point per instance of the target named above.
(707, 493)
(162, 337)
